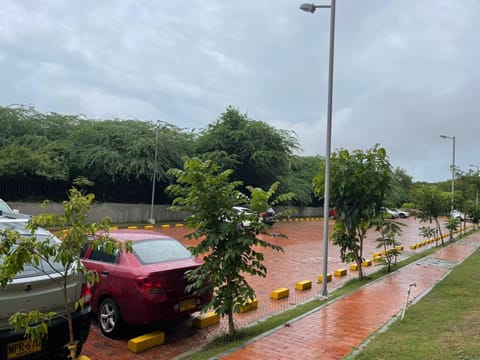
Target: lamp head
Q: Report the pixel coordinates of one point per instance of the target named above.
(308, 7)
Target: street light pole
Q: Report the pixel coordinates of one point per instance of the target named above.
(326, 197)
(453, 167)
(476, 185)
(151, 220)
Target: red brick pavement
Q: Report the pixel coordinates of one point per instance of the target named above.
(302, 259)
(335, 329)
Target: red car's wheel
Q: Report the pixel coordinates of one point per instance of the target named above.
(109, 317)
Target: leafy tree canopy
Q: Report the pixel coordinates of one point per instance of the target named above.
(125, 149)
(23, 161)
(359, 183)
(431, 204)
(299, 179)
(399, 190)
(257, 152)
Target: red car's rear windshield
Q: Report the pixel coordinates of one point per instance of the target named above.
(159, 250)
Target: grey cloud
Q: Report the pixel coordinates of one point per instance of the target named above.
(405, 70)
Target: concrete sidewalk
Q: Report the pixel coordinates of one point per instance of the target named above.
(335, 329)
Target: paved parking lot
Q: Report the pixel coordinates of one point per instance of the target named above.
(301, 260)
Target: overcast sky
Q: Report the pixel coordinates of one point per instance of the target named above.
(405, 72)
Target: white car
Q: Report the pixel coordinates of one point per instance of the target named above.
(243, 210)
(5, 208)
(459, 215)
(401, 213)
(7, 211)
(392, 212)
(37, 288)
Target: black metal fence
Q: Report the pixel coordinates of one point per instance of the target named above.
(38, 189)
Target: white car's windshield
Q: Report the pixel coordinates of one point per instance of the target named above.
(4, 207)
(43, 267)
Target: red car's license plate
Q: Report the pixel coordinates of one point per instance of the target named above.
(187, 304)
(23, 347)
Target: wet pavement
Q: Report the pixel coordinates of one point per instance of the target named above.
(339, 327)
(328, 333)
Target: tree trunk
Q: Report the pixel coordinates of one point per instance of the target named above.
(439, 227)
(358, 260)
(231, 325)
(359, 256)
(229, 301)
(72, 345)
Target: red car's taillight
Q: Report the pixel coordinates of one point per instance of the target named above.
(86, 295)
(150, 285)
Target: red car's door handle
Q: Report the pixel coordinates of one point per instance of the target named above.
(105, 272)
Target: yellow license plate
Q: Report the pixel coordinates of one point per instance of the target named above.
(23, 347)
(187, 304)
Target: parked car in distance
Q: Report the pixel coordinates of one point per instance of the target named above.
(402, 213)
(145, 286)
(269, 216)
(394, 214)
(245, 210)
(332, 214)
(459, 215)
(5, 208)
(240, 209)
(35, 289)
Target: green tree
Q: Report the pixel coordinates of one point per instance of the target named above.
(298, 179)
(33, 144)
(21, 121)
(125, 149)
(258, 153)
(452, 224)
(467, 193)
(17, 251)
(389, 230)
(400, 188)
(359, 181)
(427, 232)
(17, 121)
(230, 240)
(431, 204)
(17, 161)
(473, 213)
(467, 196)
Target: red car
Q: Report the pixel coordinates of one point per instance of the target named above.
(144, 286)
(332, 214)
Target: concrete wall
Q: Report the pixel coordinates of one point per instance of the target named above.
(133, 213)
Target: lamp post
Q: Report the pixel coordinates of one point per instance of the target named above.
(151, 220)
(326, 197)
(453, 167)
(476, 185)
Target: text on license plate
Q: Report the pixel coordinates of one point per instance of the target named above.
(23, 347)
(187, 304)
